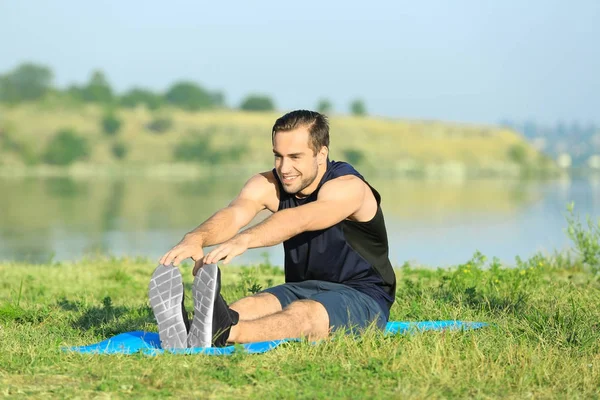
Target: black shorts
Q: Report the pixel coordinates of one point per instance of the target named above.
(347, 308)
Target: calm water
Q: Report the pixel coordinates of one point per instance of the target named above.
(432, 223)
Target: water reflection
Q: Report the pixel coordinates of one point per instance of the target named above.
(430, 222)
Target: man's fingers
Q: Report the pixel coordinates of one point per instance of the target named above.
(163, 259)
(210, 256)
(216, 255)
(168, 259)
(180, 257)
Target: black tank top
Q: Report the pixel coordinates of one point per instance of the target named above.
(349, 252)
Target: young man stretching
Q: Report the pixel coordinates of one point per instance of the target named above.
(337, 271)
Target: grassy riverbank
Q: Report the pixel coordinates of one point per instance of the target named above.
(169, 141)
(544, 343)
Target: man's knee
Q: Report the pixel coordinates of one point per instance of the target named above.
(256, 306)
(312, 317)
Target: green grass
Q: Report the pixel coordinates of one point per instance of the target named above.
(544, 342)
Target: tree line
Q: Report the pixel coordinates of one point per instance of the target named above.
(579, 140)
(32, 82)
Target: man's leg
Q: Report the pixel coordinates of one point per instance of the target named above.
(332, 306)
(273, 300)
(301, 318)
(308, 308)
(256, 306)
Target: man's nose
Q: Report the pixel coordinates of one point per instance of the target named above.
(285, 165)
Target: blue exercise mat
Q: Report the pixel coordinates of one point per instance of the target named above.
(149, 342)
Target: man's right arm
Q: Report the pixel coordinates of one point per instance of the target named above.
(256, 195)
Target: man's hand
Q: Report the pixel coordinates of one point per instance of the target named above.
(190, 246)
(227, 250)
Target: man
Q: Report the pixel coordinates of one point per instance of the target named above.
(337, 271)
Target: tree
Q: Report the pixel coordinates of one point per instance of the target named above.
(199, 148)
(357, 107)
(66, 147)
(75, 92)
(324, 106)
(110, 123)
(160, 124)
(97, 90)
(218, 99)
(119, 150)
(25, 83)
(140, 96)
(517, 153)
(354, 156)
(255, 102)
(189, 96)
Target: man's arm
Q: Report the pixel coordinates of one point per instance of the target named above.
(225, 223)
(338, 199)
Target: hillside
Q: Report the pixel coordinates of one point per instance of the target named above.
(234, 138)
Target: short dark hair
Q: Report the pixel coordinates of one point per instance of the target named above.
(317, 124)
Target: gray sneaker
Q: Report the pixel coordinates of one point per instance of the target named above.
(212, 316)
(165, 292)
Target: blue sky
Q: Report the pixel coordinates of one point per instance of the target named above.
(470, 61)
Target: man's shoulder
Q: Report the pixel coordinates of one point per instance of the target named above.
(269, 176)
(343, 185)
(262, 179)
(265, 186)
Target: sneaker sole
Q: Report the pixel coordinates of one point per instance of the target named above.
(165, 292)
(203, 291)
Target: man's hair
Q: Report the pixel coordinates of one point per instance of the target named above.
(317, 124)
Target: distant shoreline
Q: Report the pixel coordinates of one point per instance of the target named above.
(192, 171)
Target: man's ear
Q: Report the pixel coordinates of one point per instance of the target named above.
(322, 156)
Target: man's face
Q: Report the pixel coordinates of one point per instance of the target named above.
(295, 162)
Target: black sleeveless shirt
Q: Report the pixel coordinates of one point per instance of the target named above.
(349, 252)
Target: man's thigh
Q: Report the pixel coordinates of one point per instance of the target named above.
(274, 299)
(349, 309)
(256, 306)
(293, 291)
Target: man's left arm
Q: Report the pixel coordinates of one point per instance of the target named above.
(337, 200)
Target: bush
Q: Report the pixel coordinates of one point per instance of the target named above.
(119, 150)
(111, 124)
(354, 156)
(257, 103)
(357, 107)
(324, 106)
(587, 241)
(199, 149)
(160, 125)
(517, 153)
(97, 90)
(27, 82)
(189, 96)
(137, 96)
(66, 147)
